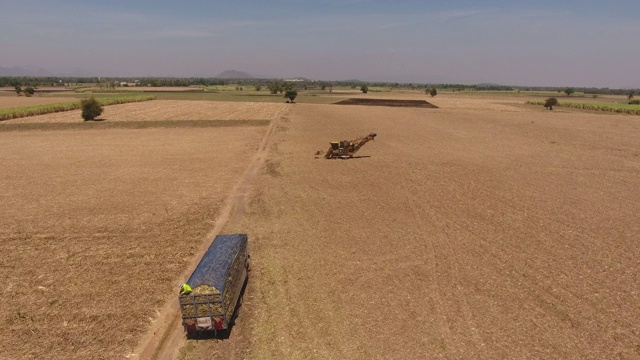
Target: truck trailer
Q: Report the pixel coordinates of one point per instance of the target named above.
(216, 284)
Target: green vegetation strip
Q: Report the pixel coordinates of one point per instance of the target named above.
(92, 125)
(19, 112)
(610, 107)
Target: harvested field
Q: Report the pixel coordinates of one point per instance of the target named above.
(387, 102)
(159, 110)
(456, 101)
(97, 227)
(20, 101)
(466, 234)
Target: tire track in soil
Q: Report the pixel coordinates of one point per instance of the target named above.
(166, 337)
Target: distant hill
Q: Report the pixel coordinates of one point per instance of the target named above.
(234, 74)
(23, 71)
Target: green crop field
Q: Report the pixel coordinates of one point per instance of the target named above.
(608, 107)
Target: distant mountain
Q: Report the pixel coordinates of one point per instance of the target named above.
(234, 74)
(24, 71)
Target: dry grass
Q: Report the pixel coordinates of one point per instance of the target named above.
(7, 101)
(465, 234)
(96, 226)
(169, 110)
(477, 230)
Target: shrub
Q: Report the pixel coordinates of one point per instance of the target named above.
(634, 102)
(91, 109)
(550, 103)
(28, 91)
(291, 94)
(433, 92)
(18, 89)
(364, 88)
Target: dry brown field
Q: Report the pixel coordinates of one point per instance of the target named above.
(98, 226)
(467, 232)
(161, 110)
(483, 229)
(12, 100)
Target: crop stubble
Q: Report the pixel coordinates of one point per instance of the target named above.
(159, 110)
(465, 234)
(97, 225)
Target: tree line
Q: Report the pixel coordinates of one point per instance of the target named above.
(281, 85)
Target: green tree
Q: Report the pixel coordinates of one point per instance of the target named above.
(18, 89)
(433, 92)
(274, 87)
(364, 88)
(569, 91)
(291, 94)
(258, 87)
(323, 87)
(550, 103)
(91, 109)
(28, 91)
(630, 96)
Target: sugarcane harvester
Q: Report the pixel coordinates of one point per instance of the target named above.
(345, 149)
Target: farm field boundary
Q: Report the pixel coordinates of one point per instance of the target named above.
(145, 124)
(19, 112)
(618, 108)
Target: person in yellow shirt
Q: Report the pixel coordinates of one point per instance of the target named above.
(185, 289)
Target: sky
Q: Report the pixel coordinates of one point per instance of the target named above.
(530, 43)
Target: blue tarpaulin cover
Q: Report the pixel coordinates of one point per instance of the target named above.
(214, 267)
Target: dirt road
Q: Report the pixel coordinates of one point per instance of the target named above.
(166, 336)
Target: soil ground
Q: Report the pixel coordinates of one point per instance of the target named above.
(97, 226)
(386, 102)
(161, 110)
(482, 229)
(10, 100)
(486, 231)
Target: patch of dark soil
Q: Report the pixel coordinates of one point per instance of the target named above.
(387, 102)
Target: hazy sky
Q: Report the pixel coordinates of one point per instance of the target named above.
(555, 43)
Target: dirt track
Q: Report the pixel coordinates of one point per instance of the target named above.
(465, 234)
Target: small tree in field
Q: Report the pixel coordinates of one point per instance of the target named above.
(630, 96)
(550, 102)
(91, 109)
(291, 94)
(28, 91)
(18, 89)
(258, 87)
(569, 91)
(364, 88)
(433, 92)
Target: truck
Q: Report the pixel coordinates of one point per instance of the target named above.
(217, 284)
